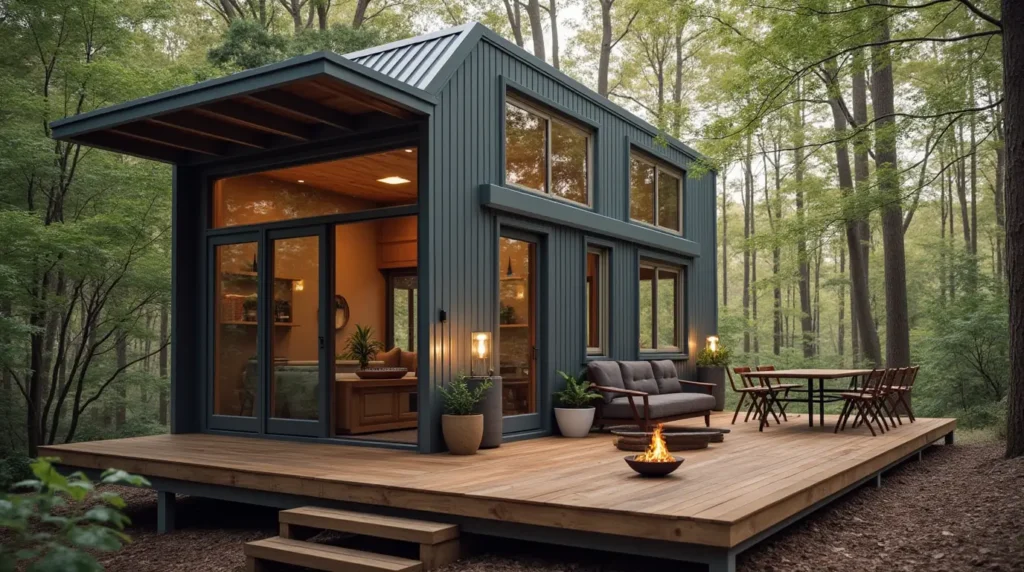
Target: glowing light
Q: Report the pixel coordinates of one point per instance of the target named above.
(299, 285)
(713, 343)
(393, 180)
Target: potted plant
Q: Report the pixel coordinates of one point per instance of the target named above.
(711, 364)
(361, 347)
(576, 414)
(461, 425)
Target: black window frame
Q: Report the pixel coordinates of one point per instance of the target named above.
(680, 314)
(659, 167)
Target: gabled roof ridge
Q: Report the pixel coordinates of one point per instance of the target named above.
(460, 29)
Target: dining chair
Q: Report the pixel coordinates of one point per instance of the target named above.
(863, 402)
(776, 387)
(756, 392)
(902, 390)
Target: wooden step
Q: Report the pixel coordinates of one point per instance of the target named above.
(394, 528)
(322, 557)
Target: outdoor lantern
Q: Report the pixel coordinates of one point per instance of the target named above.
(481, 348)
(713, 343)
(299, 285)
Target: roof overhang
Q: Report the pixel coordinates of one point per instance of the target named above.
(302, 100)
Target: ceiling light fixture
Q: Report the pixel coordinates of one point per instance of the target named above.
(393, 180)
(301, 181)
(408, 150)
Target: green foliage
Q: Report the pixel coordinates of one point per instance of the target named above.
(577, 394)
(713, 358)
(246, 44)
(459, 399)
(14, 469)
(361, 346)
(55, 526)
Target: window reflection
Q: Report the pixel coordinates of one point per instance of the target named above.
(568, 162)
(236, 310)
(668, 201)
(641, 191)
(525, 147)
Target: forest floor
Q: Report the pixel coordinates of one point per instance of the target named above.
(962, 508)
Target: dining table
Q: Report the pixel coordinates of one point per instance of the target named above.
(819, 396)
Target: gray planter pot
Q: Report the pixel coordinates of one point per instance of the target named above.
(490, 407)
(715, 375)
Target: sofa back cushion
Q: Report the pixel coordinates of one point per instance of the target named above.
(639, 376)
(392, 357)
(606, 374)
(667, 377)
(409, 361)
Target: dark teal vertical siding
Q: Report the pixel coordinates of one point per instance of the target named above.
(466, 152)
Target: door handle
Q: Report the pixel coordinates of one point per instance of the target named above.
(321, 342)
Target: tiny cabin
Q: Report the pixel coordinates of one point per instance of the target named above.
(424, 191)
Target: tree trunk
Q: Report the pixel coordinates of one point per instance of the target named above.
(605, 55)
(897, 350)
(841, 302)
(677, 85)
(746, 249)
(360, 14)
(164, 351)
(120, 411)
(536, 28)
(860, 305)
(725, 238)
(553, 14)
(322, 11)
(804, 268)
(961, 191)
(753, 249)
(1013, 81)
(515, 20)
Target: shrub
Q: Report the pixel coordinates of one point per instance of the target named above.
(713, 358)
(50, 527)
(459, 399)
(577, 394)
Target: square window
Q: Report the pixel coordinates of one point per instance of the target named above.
(655, 194)
(546, 154)
(525, 148)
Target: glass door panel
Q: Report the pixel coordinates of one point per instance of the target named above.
(295, 343)
(296, 334)
(235, 329)
(517, 331)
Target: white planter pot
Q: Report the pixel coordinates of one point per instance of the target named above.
(574, 422)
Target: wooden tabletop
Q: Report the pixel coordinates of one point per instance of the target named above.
(807, 373)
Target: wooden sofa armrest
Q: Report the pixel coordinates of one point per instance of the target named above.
(708, 386)
(628, 392)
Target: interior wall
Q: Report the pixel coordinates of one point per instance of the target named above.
(358, 279)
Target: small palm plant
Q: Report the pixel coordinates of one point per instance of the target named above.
(577, 394)
(361, 346)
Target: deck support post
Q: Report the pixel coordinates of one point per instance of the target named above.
(920, 454)
(164, 512)
(950, 438)
(878, 480)
(724, 562)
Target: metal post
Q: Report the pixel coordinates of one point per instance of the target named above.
(724, 563)
(164, 512)
(950, 438)
(920, 454)
(878, 480)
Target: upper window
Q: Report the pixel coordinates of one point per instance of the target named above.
(546, 154)
(661, 303)
(333, 187)
(597, 301)
(655, 194)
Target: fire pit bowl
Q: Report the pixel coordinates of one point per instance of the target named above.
(652, 468)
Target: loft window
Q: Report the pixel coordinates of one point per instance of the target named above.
(546, 154)
(661, 293)
(655, 194)
(597, 301)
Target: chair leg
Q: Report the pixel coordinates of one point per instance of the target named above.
(707, 419)
(867, 420)
(847, 418)
(906, 407)
(782, 405)
(885, 403)
(754, 407)
(876, 412)
(739, 406)
(843, 413)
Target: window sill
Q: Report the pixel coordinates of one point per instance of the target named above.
(653, 355)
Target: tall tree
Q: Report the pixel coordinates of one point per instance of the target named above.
(1013, 83)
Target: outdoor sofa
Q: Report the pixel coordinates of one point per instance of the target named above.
(646, 393)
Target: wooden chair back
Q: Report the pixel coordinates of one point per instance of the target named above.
(908, 381)
(744, 382)
(899, 375)
(768, 381)
(873, 381)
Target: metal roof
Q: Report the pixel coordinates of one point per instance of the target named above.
(415, 61)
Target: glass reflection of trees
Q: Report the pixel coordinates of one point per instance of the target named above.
(653, 190)
(540, 149)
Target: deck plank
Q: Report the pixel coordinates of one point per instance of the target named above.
(719, 497)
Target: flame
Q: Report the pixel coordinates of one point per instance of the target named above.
(657, 451)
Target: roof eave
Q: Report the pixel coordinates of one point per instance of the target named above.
(265, 77)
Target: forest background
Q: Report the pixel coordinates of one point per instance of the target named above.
(860, 150)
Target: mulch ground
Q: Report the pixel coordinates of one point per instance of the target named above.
(962, 508)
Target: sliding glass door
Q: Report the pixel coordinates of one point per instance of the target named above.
(269, 358)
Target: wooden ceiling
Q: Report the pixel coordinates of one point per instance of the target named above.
(358, 176)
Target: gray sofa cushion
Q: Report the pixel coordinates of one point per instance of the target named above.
(638, 376)
(605, 374)
(661, 405)
(666, 376)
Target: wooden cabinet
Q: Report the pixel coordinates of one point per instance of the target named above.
(397, 243)
(369, 405)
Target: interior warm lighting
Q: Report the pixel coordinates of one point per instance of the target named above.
(408, 150)
(301, 181)
(393, 180)
(520, 292)
(298, 285)
(713, 343)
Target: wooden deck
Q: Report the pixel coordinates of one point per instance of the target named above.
(720, 497)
